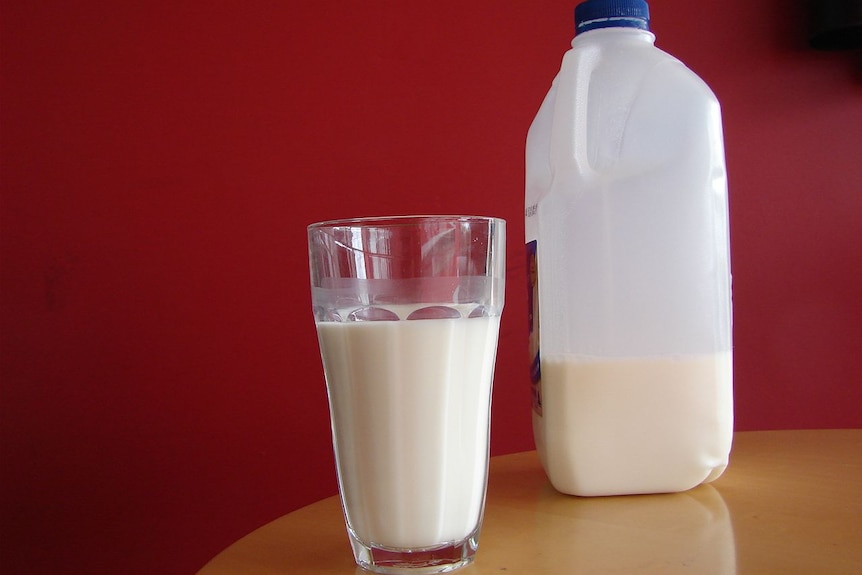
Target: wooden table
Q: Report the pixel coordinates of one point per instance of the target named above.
(790, 502)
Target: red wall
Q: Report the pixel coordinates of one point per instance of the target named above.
(161, 389)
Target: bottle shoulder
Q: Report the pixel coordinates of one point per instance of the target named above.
(621, 57)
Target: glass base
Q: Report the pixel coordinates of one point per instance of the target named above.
(438, 559)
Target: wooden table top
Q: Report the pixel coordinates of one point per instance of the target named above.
(790, 502)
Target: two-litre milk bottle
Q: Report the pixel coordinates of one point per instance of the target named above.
(628, 258)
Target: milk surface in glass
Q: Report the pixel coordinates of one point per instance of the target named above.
(409, 405)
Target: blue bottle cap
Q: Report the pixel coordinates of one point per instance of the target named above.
(594, 14)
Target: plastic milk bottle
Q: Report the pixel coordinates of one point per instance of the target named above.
(629, 267)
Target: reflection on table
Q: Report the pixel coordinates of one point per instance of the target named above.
(790, 502)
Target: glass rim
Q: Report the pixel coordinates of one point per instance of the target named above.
(400, 220)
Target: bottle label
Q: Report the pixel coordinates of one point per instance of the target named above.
(533, 318)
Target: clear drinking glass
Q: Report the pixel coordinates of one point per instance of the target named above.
(408, 311)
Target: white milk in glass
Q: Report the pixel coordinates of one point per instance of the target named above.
(409, 403)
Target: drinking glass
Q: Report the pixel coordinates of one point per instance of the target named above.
(408, 312)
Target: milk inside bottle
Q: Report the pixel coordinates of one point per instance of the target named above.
(629, 268)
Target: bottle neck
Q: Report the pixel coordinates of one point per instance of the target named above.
(613, 34)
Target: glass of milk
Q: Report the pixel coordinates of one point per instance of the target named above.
(407, 311)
